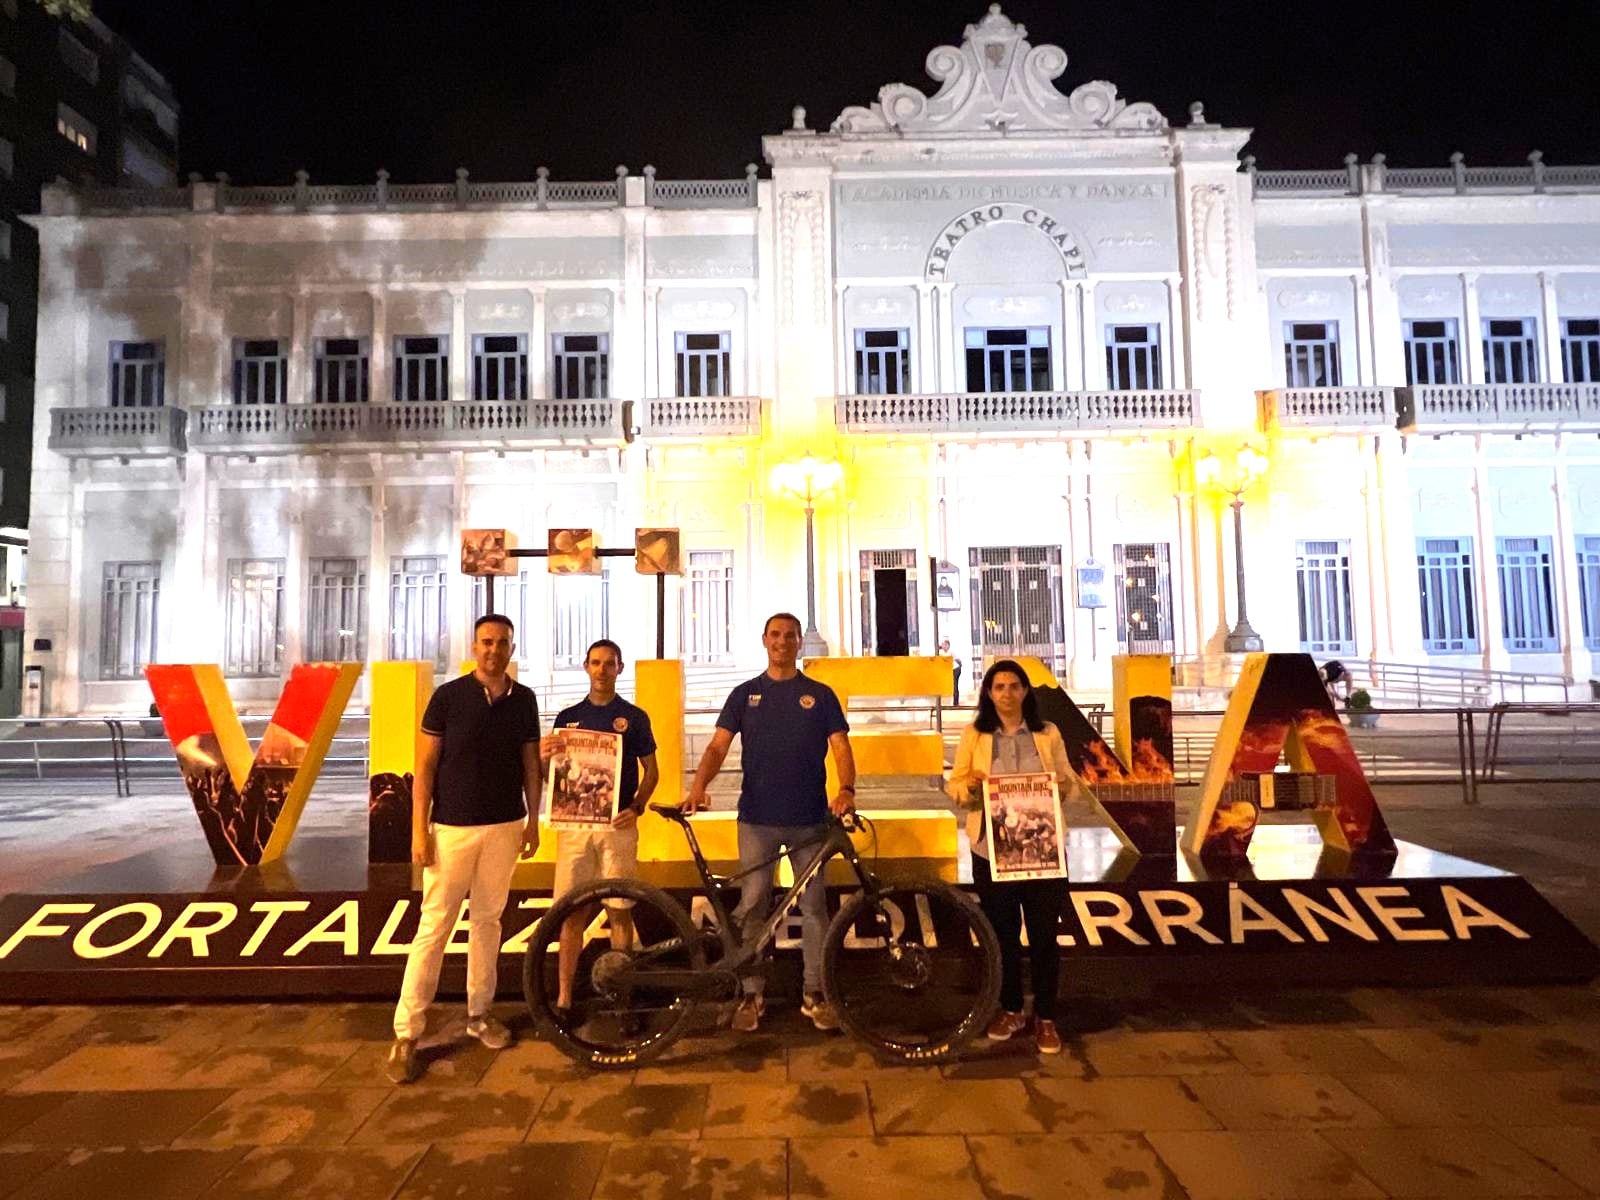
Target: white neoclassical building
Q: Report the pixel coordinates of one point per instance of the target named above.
(1035, 326)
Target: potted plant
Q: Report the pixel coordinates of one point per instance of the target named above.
(1358, 705)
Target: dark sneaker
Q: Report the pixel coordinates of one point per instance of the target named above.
(489, 1031)
(1006, 1025)
(401, 1066)
(823, 1015)
(747, 1016)
(1046, 1037)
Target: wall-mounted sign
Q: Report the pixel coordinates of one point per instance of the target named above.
(571, 552)
(484, 552)
(1091, 579)
(947, 587)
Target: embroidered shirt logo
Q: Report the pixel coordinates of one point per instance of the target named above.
(620, 724)
(755, 699)
(808, 701)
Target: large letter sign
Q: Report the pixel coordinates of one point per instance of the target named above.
(249, 804)
(1280, 706)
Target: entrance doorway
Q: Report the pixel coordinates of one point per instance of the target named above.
(1016, 602)
(1144, 597)
(889, 602)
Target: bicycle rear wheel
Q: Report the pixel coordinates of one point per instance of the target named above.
(914, 971)
(620, 1014)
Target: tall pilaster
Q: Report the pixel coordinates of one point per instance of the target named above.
(1491, 634)
(1550, 329)
(460, 347)
(381, 353)
(377, 569)
(1575, 658)
(927, 379)
(1471, 331)
(294, 579)
(539, 345)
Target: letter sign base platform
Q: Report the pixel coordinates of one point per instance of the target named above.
(322, 923)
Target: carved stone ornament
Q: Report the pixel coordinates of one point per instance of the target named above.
(997, 82)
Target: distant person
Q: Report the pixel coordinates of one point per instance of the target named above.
(955, 673)
(787, 723)
(1336, 678)
(1008, 737)
(584, 855)
(474, 808)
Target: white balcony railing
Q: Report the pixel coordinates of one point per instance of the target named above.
(1018, 412)
(1344, 408)
(701, 416)
(117, 432)
(1512, 407)
(286, 428)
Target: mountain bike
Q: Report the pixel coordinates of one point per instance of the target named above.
(913, 969)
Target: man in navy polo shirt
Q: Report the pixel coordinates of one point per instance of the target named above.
(787, 723)
(611, 853)
(477, 786)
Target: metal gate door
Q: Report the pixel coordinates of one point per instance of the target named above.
(1016, 602)
(1144, 597)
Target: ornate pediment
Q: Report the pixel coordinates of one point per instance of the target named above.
(995, 82)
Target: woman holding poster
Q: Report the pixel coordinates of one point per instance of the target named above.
(1010, 766)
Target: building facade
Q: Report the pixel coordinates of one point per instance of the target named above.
(1036, 328)
(76, 103)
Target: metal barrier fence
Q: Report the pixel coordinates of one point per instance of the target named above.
(1471, 746)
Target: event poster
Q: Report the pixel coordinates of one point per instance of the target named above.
(580, 791)
(1027, 838)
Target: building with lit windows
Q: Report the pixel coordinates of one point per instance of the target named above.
(1036, 326)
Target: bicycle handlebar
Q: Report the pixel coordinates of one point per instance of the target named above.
(852, 821)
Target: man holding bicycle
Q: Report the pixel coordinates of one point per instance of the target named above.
(611, 853)
(787, 724)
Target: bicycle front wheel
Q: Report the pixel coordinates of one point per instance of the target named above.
(630, 989)
(913, 971)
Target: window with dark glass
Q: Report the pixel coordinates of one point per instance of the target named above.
(883, 362)
(582, 366)
(138, 374)
(1008, 360)
(421, 368)
(260, 371)
(1432, 353)
(702, 363)
(1133, 358)
(342, 371)
(1580, 349)
(499, 367)
(1311, 354)
(1510, 350)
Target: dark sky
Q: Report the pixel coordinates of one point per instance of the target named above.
(343, 87)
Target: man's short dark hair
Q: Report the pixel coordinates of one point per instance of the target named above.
(782, 616)
(492, 619)
(603, 644)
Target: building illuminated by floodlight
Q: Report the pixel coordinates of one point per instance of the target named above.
(1035, 328)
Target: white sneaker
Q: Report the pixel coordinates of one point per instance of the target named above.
(489, 1031)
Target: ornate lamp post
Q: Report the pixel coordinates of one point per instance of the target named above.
(1249, 465)
(807, 479)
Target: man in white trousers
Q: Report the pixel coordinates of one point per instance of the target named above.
(475, 807)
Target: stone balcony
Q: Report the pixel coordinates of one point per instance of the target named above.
(118, 432)
(968, 415)
(472, 425)
(1499, 408)
(700, 417)
(1338, 409)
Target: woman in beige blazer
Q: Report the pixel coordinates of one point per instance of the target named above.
(1008, 737)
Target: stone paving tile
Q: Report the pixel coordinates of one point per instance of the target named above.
(1168, 1012)
(300, 1066)
(36, 1023)
(167, 1174)
(19, 1109)
(530, 1064)
(1121, 1164)
(1411, 1007)
(1480, 1097)
(1119, 1052)
(1016, 1059)
(105, 1119)
(550, 1171)
(1116, 1103)
(1447, 1162)
(1276, 1165)
(826, 1108)
(1451, 1049)
(1294, 1008)
(1575, 1153)
(840, 1058)
(936, 1105)
(358, 1022)
(310, 1173)
(445, 1064)
(873, 1168)
(1557, 1003)
(746, 1169)
(114, 1068)
(19, 1168)
(599, 1110)
(272, 1116)
(1282, 1102)
(415, 1116)
(1564, 1045)
(720, 1058)
(1303, 1050)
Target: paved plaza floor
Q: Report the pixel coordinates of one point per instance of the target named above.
(1251, 1092)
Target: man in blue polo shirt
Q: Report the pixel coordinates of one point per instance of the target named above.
(611, 853)
(475, 805)
(787, 724)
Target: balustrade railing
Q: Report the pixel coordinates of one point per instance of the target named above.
(1377, 176)
(118, 432)
(1321, 408)
(1006, 412)
(702, 416)
(266, 428)
(1506, 405)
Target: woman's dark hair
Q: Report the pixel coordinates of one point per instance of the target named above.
(988, 720)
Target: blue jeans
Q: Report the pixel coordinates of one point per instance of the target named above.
(760, 842)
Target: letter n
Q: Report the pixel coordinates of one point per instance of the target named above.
(249, 804)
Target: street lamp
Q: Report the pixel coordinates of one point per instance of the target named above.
(1249, 465)
(807, 479)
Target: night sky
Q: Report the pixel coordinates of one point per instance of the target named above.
(344, 87)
